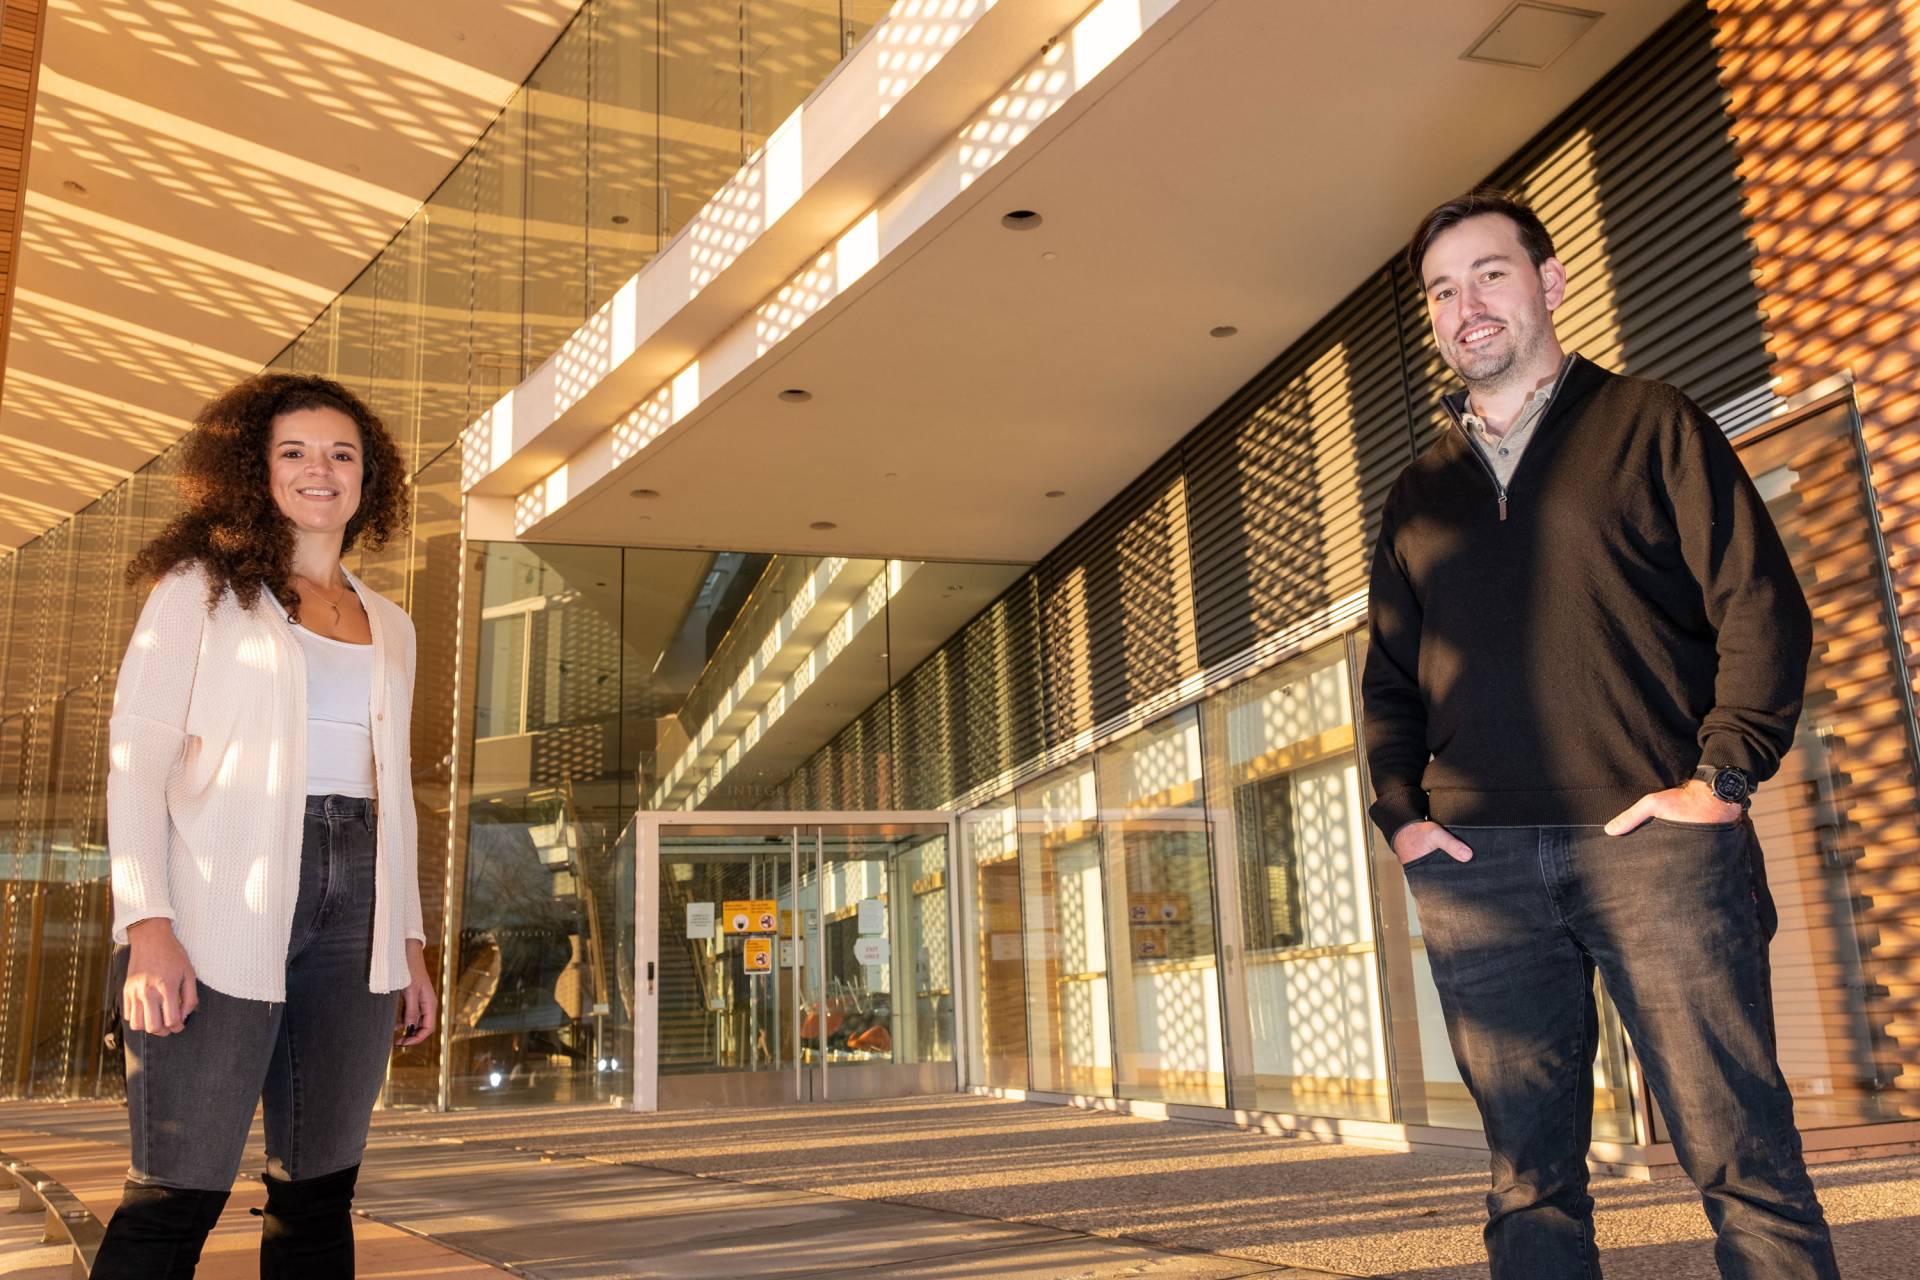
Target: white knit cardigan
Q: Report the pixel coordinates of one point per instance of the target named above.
(206, 783)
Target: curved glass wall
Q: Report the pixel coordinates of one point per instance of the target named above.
(631, 121)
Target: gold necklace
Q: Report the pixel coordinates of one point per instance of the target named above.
(333, 603)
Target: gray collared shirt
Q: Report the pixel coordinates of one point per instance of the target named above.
(1503, 452)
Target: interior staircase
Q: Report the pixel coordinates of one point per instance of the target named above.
(686, 1026)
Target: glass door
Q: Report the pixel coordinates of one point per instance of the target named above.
(784, 957)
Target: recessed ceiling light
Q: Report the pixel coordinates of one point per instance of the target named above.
(74, 187)
(457, 35)
(1048, 256)
(352, 168)
(619, 219)
(1531, 35)
(1056, 493)
(1223, 330)
(643, 493)
(795, 395)
(823, 525)
(1021, 220)
(891, 475)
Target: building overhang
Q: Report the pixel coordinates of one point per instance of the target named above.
(978, 391)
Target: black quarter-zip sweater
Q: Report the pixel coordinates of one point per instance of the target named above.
(1623, 612)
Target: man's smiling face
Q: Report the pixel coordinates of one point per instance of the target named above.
(1491, 308)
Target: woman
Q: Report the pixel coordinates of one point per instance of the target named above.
(261, 826)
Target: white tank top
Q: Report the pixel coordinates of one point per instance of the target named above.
(339, 731)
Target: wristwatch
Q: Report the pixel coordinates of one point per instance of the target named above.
(1728, 783)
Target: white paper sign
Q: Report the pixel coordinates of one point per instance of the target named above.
(870, 950)
(699, 919)
(873, 916)
(786, 953)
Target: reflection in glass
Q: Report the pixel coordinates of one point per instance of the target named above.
(1069, 1027)
(394, 385)
(881, 899)
(536, 1011)
(791, 45)
(556, 178)
(446, 324)
(499, 167)
(1284, 781)
(1836, 825)
(995, 970)
(623, 144)
(1165, 980)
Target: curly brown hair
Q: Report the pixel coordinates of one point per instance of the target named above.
(231, 524)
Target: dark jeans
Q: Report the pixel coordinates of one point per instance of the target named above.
(1677, 919)
(316, 1063)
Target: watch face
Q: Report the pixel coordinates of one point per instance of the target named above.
(1730, 786)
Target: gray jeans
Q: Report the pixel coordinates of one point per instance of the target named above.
(316, 1062)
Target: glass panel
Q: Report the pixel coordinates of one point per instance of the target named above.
(533, 1012)
(718, 1009)
(394, 384)
(72, 944)
(623, 146)
(791, 45)
(353, 341)
(995, 971)
(1284, 786)
(1835, 826)
(1069, 1029)
(499, 161)
(446, 331)
(702, 106)
(1165, 976)
(556, 225)
(433, 586)
(884, 909)
(502, 708)
(313, 350)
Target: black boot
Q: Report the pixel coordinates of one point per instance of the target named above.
(308, 1232)
(157, 1233)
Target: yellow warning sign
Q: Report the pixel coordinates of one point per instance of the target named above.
(757, 955)
(750, 915)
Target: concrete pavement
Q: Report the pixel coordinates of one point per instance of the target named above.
(954, 1188)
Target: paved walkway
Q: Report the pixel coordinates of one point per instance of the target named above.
(456, 1209)
(1216, 1189)
(955, 1188)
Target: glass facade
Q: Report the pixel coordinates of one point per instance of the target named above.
(632, 120)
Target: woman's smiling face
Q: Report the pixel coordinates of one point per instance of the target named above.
(315, 468)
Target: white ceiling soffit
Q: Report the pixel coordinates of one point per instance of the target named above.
(204, 179)
(1248, 168)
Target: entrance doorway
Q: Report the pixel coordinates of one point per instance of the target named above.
(793, 957)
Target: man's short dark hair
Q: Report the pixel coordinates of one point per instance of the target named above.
(1533, 232)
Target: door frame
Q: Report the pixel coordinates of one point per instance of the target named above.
(646, 932)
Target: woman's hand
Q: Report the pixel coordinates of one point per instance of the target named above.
(419, 1006)
(161, 989)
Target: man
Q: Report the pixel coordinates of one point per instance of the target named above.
(1588, 647)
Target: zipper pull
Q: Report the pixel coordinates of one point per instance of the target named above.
(1503, 506)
